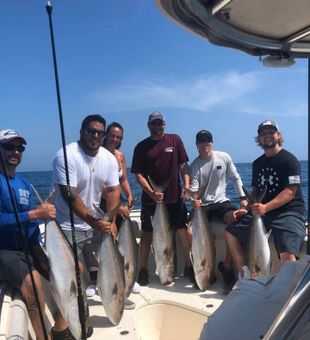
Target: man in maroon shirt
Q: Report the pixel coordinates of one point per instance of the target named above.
(161, 157)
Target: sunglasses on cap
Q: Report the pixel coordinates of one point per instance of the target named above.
(13, 147)
(93, 132)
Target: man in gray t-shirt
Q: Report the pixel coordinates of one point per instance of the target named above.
(209, 174)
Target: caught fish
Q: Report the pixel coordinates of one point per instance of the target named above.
(63, 276)
(203, 247)
(162, 240)
(259, 251)
(111, 275)
(128, 247)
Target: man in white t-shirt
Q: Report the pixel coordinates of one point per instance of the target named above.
(91, 168)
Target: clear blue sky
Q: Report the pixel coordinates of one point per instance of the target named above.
(124, 59)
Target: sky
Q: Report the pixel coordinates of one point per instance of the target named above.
(125, 59)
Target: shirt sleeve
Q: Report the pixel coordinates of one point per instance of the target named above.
(59, 172)
(234, 175)
(182, 154)
(293, 171)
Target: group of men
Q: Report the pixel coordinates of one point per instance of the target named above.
(163, 158)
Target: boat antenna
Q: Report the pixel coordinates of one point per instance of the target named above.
(26, 249)
(80, 299)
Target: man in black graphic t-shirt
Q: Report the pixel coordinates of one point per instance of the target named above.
(282, 208)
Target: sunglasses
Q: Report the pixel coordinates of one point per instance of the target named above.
(93, 132)
(157, 123)
(203, 141)
(13, 147)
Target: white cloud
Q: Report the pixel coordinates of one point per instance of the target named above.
(270, 92)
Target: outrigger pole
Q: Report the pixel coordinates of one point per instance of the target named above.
(80, 299)
(26, 249)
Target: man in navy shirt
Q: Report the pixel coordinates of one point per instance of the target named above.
(278, 172)
(13, 264)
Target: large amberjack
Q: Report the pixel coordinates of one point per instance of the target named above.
(111, 275)
(259, 251)
(63, 276)
(203, 247)
(162, 239)
(128, 247)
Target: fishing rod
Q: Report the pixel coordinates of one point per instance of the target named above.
(26, 249)
(308, 206)
(80, 299)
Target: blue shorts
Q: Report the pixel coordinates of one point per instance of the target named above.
(288, 230)
(177, 216)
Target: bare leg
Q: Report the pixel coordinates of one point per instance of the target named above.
(28, 295)
(185, 245)
(286, 256)
(145, 245)
(236, 251)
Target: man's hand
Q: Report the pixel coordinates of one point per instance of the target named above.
(196, 203)
(44, 211)
(244, 204)
(103, 226)
(124, 211)
(259, 209)
(157, 196)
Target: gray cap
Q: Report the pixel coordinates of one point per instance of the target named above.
(156, 115)
(204, 136)
(8, 135)
(267, 123)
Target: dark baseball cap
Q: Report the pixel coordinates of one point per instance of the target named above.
(267, 123)
(204, 136)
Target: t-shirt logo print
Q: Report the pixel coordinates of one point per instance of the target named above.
(268, 176)
(169, 149)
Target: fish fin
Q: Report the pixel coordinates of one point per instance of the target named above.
(39, 196)
(73, 288)
(126, 267)
(107, 216)
(191, 257)
(115, 289)
(268, 233)
(135, 200)
(193, 195)
(159, 188)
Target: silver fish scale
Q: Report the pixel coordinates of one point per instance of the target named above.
(111, 279)
(128, 247)
(63, 277)
(162, 244)
(259, 251)
(203, 249)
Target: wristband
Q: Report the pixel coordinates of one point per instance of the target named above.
(243, 198)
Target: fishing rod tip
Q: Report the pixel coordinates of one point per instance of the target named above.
(49, 7)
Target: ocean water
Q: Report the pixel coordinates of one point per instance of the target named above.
(42, 181)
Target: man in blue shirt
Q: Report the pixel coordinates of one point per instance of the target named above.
(13, 264)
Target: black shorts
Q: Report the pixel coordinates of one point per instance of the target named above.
(13, 267)
(218, 209)
(177, 216)
(288, 230)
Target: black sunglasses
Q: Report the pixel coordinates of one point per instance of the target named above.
(13, 147)
(157, 123)
(93, 132)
